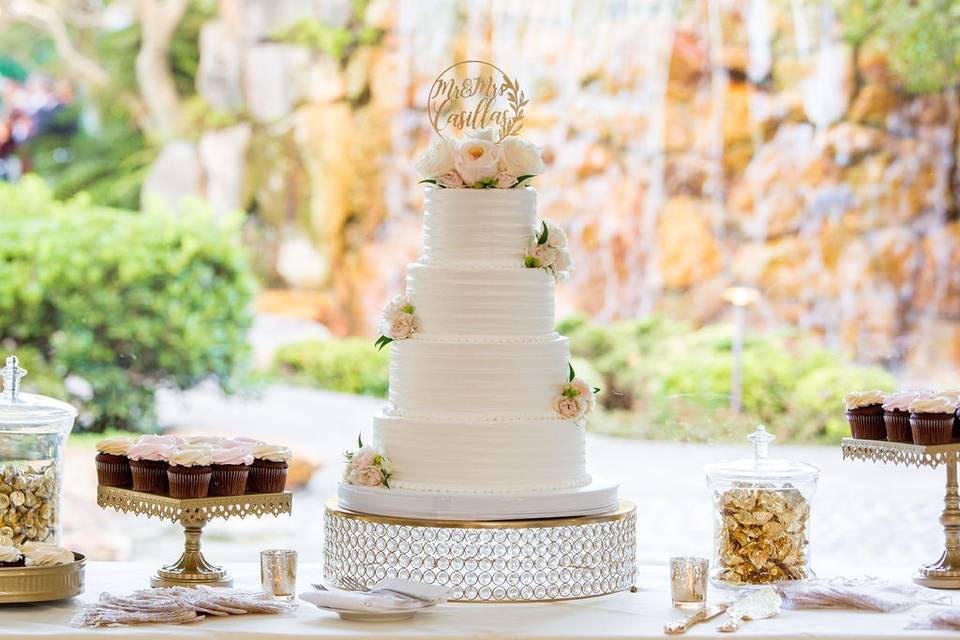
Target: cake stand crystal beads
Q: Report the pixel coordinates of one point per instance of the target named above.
(486, 561)
(945, 572)
(33, 430)
(193, 568)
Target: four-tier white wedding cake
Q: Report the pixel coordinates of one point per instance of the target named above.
(485, 418)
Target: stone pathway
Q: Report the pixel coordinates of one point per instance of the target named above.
(866, 518)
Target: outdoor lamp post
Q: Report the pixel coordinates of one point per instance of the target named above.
(740, 298)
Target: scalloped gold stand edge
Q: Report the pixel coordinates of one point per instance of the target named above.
(945, 572)
(192, 568)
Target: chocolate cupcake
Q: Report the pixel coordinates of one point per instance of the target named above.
(231, 467)
(113, 465)
(148, 466)
(189, 472)
(10, 557)
(865, 414)
(896, 414)
(931, 420)
(954, 394)
(268, 473)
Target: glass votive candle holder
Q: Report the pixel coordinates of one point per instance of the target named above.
(688, 581)
(278, 572)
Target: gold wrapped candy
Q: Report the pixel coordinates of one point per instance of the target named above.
(28, 504)
(761, 534)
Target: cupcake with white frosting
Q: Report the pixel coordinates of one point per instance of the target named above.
(231, 467)
(931, 419)
(10, 556)
(113, 465)
(896, 413)
(865, 414)
(954, 394)
(268, 474)
(190, 471)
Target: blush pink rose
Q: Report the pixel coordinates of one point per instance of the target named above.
(402, 326)
(370, 477)
(544, 254)
(451, 180)
(569, 408)
(364, 457)
(505, 180)
(477, 161)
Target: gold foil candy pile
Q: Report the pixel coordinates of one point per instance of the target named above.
(762, 534)
(28, 504)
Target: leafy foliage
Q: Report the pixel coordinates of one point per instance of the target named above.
(678, 380)
(349, 365)
(921, 38)
(122, 302)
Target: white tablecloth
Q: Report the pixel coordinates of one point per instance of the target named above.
(622, 615)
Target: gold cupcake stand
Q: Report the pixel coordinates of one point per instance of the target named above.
(193, 514)
(493, 561)
(944, 573)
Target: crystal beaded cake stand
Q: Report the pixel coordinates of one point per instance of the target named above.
(486, 561)
(192, 568)
(944, 573)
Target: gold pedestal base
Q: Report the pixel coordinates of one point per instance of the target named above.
(486, 561)
(192, 569)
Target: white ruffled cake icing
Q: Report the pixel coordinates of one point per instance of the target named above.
(472, 392)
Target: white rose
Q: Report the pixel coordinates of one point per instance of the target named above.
(520, 157)
(476, 161)
(370, 477)
(505, 180)
(437, 160)
(451, 180)
(545, 255)
(569, 408)
(402, 326)
(487, 133)
(556, 237)
(394, 307)
(562, 263)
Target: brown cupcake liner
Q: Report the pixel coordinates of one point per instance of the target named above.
(932, 428)
(898, 426)
(267, 477)
(865, 426)
(113, 471)
(956, 425)
(150, 476)
(189, 482)
(229, 479)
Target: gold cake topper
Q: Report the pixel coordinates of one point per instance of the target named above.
(472, 95)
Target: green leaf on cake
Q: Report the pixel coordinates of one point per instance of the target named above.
(428, 181)
(596, 390)
(359, 441)
(530, 262)
(572, 373)
(544, 234)
(381, 342)
(520, 179)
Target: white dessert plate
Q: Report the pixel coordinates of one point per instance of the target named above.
(377, 615)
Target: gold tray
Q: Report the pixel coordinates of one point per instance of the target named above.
(40, 584)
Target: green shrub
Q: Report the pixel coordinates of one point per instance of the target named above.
(127, 302)
(349, 365)
(664, 379)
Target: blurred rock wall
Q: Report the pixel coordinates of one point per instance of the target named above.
(689, 149)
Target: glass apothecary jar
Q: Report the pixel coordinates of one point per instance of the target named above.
(33, 431)
(761, 517)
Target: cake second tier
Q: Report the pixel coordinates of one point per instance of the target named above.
(486, 380)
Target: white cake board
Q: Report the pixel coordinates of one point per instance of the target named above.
(597, 498)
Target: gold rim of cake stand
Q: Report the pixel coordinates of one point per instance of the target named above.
(623, 510)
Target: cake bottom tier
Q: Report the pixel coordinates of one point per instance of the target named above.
(517, 456)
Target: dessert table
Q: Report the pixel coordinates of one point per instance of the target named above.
(622, 615)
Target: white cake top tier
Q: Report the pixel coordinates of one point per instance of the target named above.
(484, 228)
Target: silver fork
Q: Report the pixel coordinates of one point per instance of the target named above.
(355, 585)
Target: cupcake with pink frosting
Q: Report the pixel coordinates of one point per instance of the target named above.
(231, 466)
(149, 464)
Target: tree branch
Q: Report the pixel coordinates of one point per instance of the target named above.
(49, 20)
(158, 23)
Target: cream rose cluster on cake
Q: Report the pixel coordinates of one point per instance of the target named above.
(482, 397)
